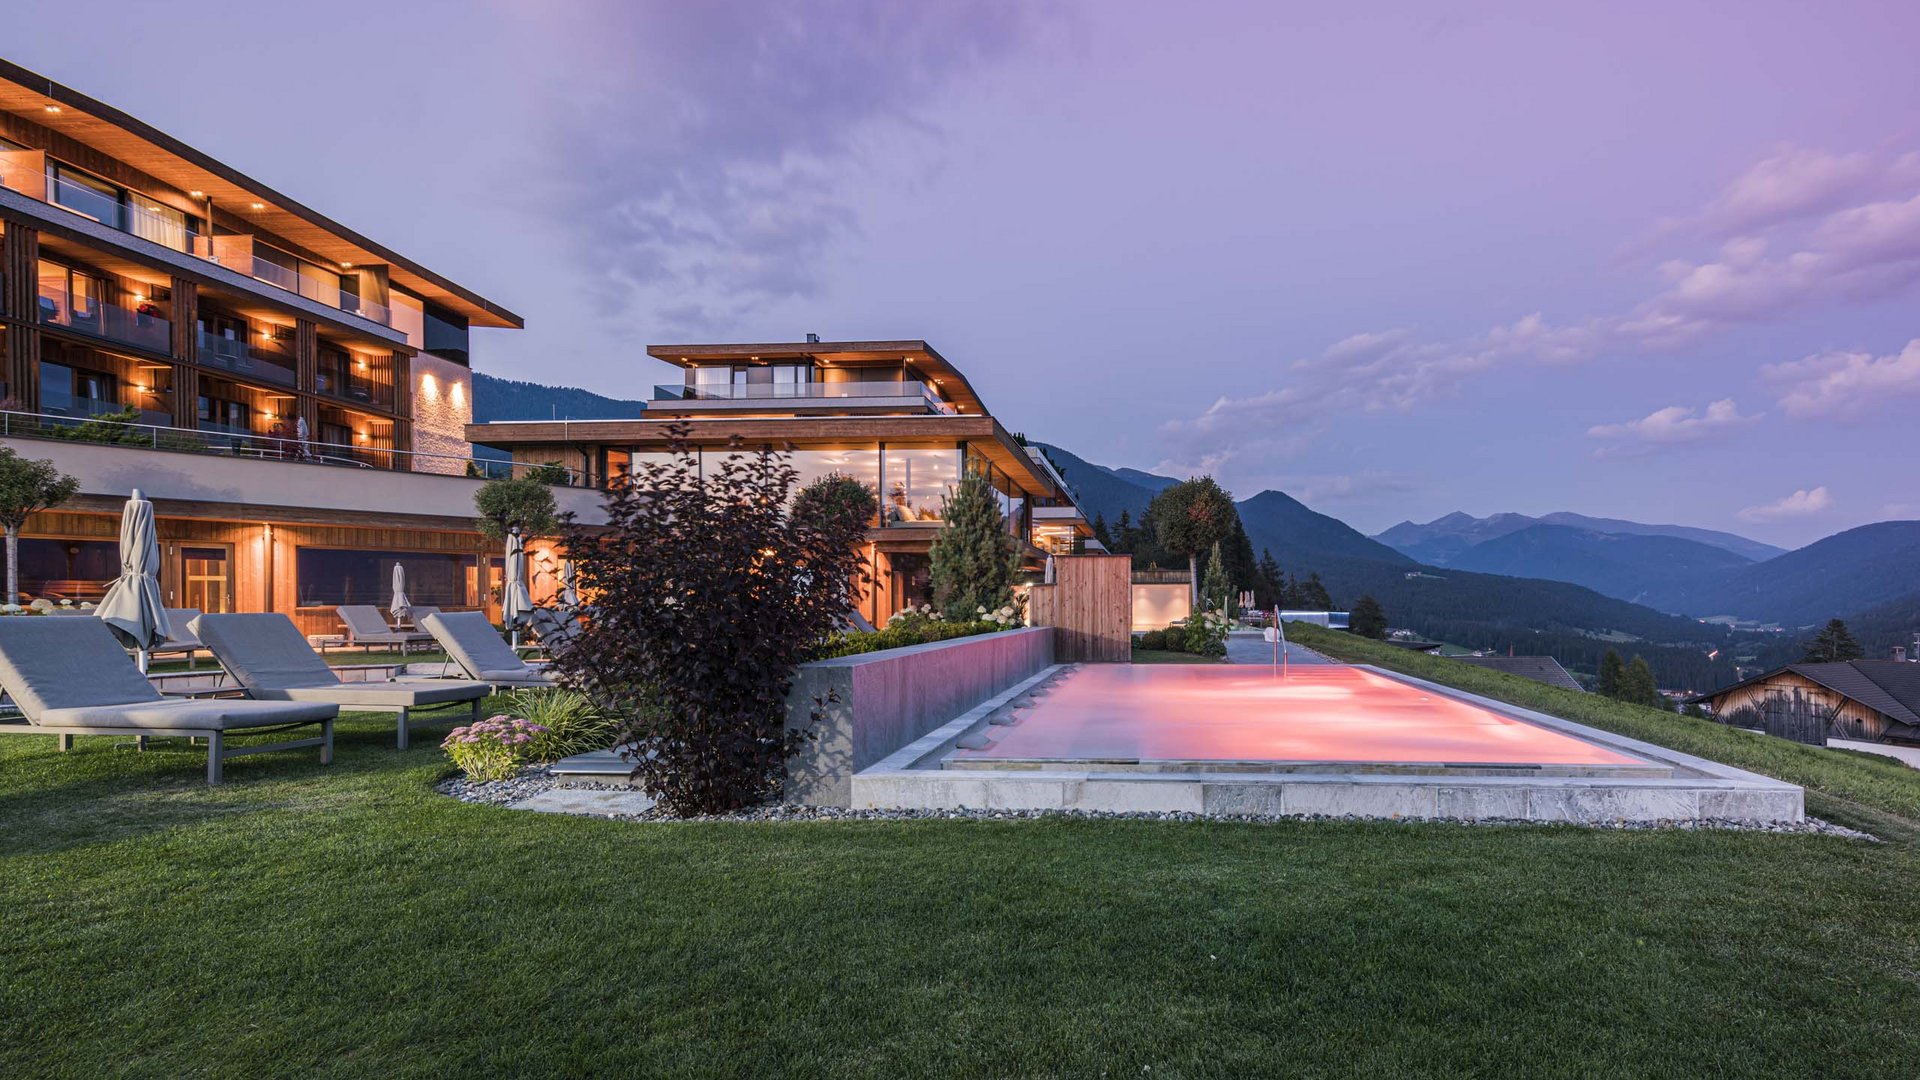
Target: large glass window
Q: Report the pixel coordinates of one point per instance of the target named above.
(790, 380)
(76, 570)
(445, 333)
(335, 576)
(917, 482)
(862, 464)
(75, 391)
(84, 194)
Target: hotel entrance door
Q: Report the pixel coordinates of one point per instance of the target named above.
(206, 578)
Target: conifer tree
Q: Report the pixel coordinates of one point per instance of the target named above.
(1100, 532)
(1833, 644)
(1215, 586)
(1315, 594)
(973, 559)
(1639, 686)
(1368, 619)
(1613, 673)
(1269, 584)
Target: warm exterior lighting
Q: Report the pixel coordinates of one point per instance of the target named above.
(265, 333)
(197, 194)
(346, 266)
(51, 107)
(259, 206)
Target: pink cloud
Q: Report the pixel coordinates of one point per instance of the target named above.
(1801, 503)
(1676, 424)
(1799, 182)
(1837, 384)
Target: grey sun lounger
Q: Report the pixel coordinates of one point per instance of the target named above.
(268, 656)
(472, 642)
(179, 638)
(366, 626)
(72, 677)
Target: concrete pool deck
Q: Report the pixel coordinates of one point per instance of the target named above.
(1617, 778)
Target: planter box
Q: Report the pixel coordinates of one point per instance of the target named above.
(887, 699)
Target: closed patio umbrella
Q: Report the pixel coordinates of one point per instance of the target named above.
(401, 608)
(133, 608)
(515, 602)
(569, 592)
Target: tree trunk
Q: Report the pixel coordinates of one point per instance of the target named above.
(1193, 581)
(13, 565)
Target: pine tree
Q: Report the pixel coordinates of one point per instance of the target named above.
(1368, 619)
(1237, 551)
(1639, 686)
(1100, 532)
(1613, 673)
(1833, 644)
(1123, 535)
(1315, 594)
(1290, 594)
(1269, 585)
(1215, 586)
(973, 557)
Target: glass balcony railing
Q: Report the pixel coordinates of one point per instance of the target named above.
(241, 359)
(816, 391)
(349, 387)
(142, 327)
(318, 288)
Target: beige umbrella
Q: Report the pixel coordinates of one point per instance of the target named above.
(401, 608)
(569, 589)
(132, 607)
(515, 602)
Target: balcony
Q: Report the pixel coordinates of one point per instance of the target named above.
(141, 328)
(241, 359)
(894, 396)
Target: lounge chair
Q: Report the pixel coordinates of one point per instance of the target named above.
(72, 677)
(179, 638)
(472, 643)
(268, 656)
(555, 630)
(366, 626)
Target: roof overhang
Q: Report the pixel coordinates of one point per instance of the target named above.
(920, 357)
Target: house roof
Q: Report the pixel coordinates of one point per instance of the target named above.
(1541, 669)
(1888, 687)
(921, 359)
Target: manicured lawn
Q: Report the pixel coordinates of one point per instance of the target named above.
(346, 921)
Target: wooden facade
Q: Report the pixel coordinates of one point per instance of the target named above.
(1848, 718)
(1090, 607)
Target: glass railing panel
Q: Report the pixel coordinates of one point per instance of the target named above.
(909, 388)
(354, 388)
(86, 202)
(240, 358)
(142, 327)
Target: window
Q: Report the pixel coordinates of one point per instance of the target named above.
(332, 576)
(206, 579)
(225, 414)
(790, 380)
(916, 483)
(711, 381)
(76, 391)
(76, 570)
(862, 464)
(69, 297)
(445, 333)
(84, 194)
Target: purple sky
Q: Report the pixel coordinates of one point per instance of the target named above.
(1655, 261)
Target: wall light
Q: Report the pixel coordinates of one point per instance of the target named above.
(259, 206)
(51, 107)
(197, 194)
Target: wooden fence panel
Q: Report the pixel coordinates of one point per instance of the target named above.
(1090, 607)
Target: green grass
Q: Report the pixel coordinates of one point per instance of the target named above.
(1169, 656)
(1839, 783)
(347, 922)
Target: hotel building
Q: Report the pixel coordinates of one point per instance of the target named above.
(292, 394)
(893, 414)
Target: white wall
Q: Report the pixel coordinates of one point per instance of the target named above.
(1155, 607)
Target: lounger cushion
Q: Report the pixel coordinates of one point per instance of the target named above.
(262, 650)
(213, 714)
(48, 664)
(476, 646)
(366, 624)
(400, 693)
(523, 677)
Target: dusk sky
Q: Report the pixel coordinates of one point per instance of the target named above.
(1656, 261)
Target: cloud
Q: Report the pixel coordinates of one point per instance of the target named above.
(1799, 504)
(1839, 385)
(1799, 228)
(710, 146)
(1797, 182)
(1672, 426)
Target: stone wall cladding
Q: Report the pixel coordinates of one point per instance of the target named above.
(442, 409)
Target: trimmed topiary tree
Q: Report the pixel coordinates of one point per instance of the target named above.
(1189, 518)
(708, 592)
(973, 558)
(525, 501)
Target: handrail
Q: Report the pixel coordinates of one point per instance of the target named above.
(265, 447)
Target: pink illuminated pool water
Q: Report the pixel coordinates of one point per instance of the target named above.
(1240, 713)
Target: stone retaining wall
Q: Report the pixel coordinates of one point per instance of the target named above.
(887, 699)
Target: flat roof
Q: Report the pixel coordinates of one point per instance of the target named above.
(114, 133)
(953, 385)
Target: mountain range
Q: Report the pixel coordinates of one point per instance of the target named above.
(1567, 583)
(510, 399)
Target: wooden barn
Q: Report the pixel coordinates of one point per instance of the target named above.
(1873, 700)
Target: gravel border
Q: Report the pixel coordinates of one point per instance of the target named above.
(539, 778)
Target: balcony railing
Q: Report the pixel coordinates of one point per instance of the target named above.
(225, 441)
(241, 359)
(90, 315)
(809, 391)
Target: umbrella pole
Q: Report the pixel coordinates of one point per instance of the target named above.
(140, 659)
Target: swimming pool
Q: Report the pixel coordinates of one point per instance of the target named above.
(1229, 717)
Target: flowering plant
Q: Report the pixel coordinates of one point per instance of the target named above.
(494, 748)
(1006, 616)
(914, 618)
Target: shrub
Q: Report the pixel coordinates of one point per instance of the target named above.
(707, 594)
(1154, 639)
(494, 748)
(503, 504)
(899, 634)
(1207, 634)
(573, 723)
